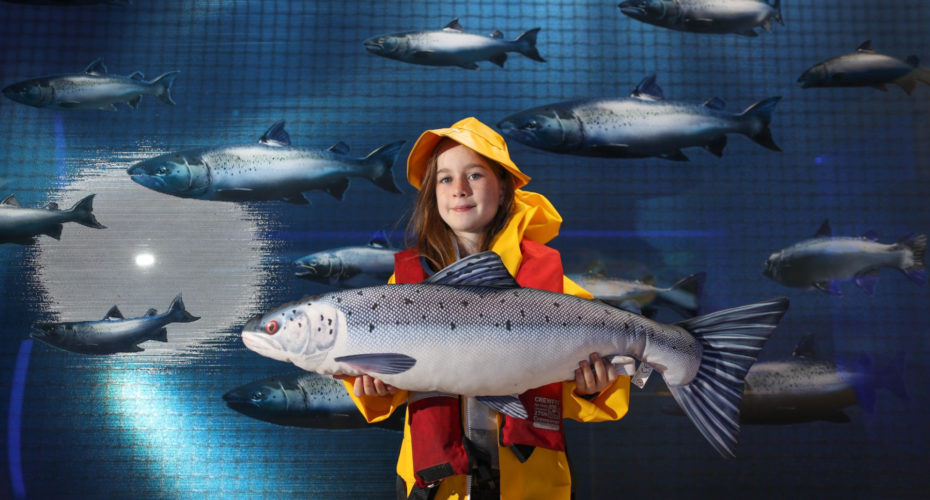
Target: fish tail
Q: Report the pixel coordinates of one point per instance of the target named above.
(177, 311)
(693, 286)
(731, 339)
(83, 212)
(384, 158)
(776, 6)
(892, 377)
(913, 268)
(527, 44)
(162, 86)
(909, 81)
(761, 114)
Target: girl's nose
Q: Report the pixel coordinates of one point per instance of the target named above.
(461, 187)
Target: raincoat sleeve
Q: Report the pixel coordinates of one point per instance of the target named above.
(611, 404)
(375, 408)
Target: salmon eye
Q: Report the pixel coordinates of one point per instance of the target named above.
(272, 327)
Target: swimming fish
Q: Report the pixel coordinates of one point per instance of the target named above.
(866, 68)
(349, 267)
(741, 17)
(805, 388)
(639, 126)
(826, 260)
(270, 169)
(451, 46)
(471, 330)
(303, 399)
(92, 89)
(21, 225)
(114, 333)
(642, 296)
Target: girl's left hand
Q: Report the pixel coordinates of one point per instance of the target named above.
(594, 377)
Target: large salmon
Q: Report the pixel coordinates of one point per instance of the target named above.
(471, 330)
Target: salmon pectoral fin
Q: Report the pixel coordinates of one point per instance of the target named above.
(508, 405)
(383, 363)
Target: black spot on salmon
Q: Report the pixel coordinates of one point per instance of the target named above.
(522, 313)
(371, 327)
(556, 304)
(507, 325)
(374, 306)
(407, 301)
(464, 303)
(329, 321)
(453, 325)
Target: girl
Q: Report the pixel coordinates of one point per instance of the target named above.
(455, 447)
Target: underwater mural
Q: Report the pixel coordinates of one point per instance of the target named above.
(173, 405)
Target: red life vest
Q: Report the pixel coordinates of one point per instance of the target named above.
(436, 434)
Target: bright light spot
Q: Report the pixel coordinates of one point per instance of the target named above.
(145, 260)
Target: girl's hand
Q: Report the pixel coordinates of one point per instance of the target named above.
(594, 377)
(366, 385)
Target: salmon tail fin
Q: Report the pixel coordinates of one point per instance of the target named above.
(177, 311)
(163, 84)
(384, 158)
(693, 288)
(760, 114)
(731, 339)
(776, 6)
(527, 42)
(914, 267)
(84, 213)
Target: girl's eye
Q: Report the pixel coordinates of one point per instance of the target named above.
(444, 180)
(272, 327)
(475, 176)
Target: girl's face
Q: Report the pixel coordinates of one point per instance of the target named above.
(468, 193)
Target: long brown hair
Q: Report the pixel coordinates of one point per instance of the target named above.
(433, 236)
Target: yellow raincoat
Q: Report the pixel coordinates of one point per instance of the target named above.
(546, 474)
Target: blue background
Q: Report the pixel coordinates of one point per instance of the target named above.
(153, 424)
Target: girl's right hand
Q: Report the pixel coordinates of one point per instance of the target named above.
(366, 385)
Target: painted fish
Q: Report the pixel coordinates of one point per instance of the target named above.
(826, 260)
(641, 296)
(741, 17)
(114, 333)
(451, 46)
(349, 267)
(471, 330)
(639, 126)
(807, 389)
(270, 169)
(21, 225)
(92, 89)
(303, 399)
(866, 68)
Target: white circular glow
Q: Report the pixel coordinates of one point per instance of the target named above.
(206, 250)
(145, 260)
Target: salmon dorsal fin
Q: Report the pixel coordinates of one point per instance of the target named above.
(824, 231)
(379, 240)
(866, 46)
(480, 269)
(276, 135)
(648, 90)
(454, 25)
(96, 68)
(114, 313)
(10, 201)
